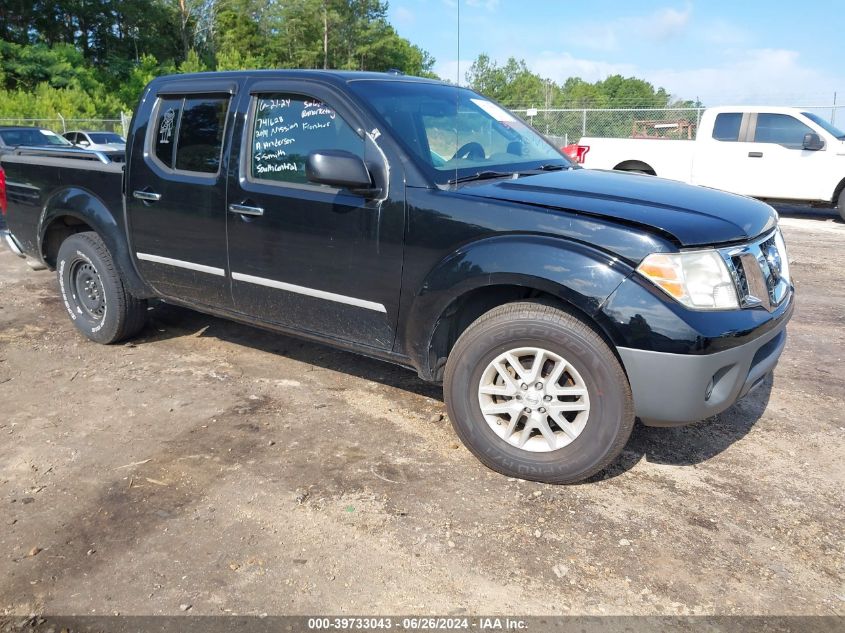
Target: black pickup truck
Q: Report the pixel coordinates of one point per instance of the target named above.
(422, 224)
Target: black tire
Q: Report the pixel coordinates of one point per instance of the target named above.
(841, 205)
(611, 414)
(93, 293)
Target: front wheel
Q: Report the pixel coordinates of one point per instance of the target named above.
(93, 293)
(536, 393)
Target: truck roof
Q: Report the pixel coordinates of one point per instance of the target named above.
(332, 76)
(755, 108)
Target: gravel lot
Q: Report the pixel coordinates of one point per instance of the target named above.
(215, 468)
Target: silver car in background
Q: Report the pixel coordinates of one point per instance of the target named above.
(111, 143)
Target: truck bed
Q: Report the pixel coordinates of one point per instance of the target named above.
(668, 157)
(34, 179)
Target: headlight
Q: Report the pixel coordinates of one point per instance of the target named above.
(784, 257)
(700, 280)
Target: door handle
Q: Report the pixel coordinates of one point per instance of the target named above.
(147, 196)
(243, 209)
(755, 154)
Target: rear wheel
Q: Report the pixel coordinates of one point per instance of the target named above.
(636, 167)
(93, 293)
(536, 393)
(841, 205)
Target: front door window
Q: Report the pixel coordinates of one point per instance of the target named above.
(286, 128)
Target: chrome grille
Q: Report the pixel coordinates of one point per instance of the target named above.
(760, 271)
(738, 271)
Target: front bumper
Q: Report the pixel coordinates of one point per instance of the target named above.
(11, 243)
(676, 389)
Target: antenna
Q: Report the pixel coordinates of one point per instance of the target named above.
(457, 84)
(458, 65)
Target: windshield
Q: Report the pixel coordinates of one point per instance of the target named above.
(32, 136)
(455, 132)
(827, 127)
(105, 137)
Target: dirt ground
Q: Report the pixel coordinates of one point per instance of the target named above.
(213, 468)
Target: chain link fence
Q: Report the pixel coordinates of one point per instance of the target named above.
(60, 124)
(567, 125)
(561, 125)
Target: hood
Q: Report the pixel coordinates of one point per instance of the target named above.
(692, 216)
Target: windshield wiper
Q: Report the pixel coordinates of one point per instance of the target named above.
(546, 167)
(481, 175)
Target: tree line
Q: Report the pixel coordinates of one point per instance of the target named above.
(514, 85)
(91, 58)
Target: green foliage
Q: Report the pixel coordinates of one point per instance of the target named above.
(633, 92)
(582, 94)
(343, 34)
(99, 30)
(48, 102)
(245, 27)
(192, 64)
(62, 66)
(512, 84)
(147, 69)
(94, 58)
(303, 25)
(234, 60)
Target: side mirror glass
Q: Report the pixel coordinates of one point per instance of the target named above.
(813, 142)
(339, 168)
(83, 143)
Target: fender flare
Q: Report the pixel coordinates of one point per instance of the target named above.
(87, 207)
(577, 274)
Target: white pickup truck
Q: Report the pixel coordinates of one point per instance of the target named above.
(778, 154)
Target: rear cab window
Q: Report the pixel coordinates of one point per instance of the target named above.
(188, 133)
(727, 125)
(285, 128)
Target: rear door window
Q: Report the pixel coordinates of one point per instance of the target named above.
(169, 111)
(189, 133)
(201, 134)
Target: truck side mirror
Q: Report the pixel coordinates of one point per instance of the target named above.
(339, 168)
(813, 142)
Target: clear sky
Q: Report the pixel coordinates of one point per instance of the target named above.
(788, 52)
